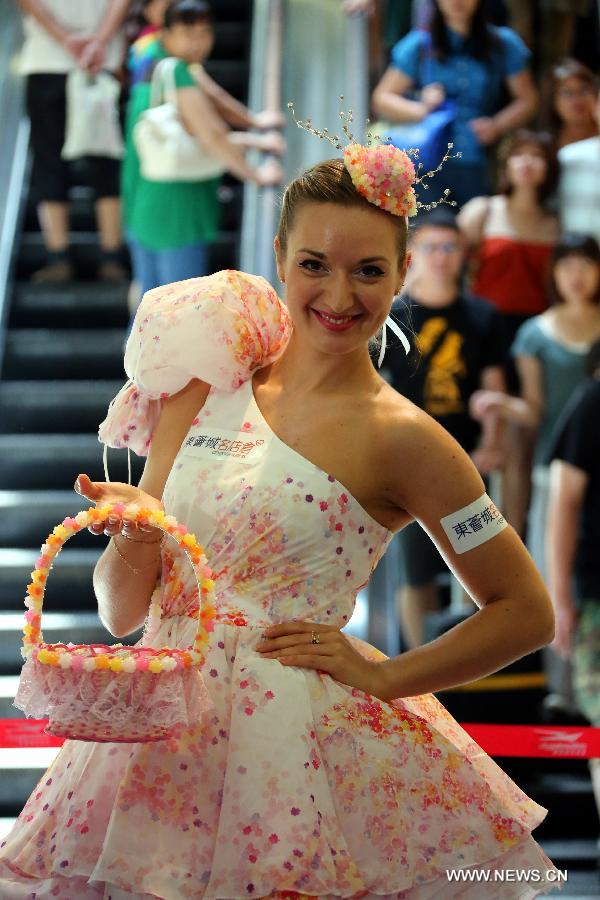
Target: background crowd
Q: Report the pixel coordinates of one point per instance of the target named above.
(503, 294)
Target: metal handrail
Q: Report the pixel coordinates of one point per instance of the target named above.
(260, 204)
(13, 156)
(307, 51)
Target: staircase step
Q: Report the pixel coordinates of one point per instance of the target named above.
(69, 586)
(231, 74)
(27, 517)
(232, 39)
(78, 627)
(53, 461)
(55, 406)
(64, 353)
(85, 252)
(79, 304)
(231, 10)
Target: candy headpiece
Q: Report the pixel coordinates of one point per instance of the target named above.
(383, 174)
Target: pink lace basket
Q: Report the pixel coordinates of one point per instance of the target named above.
(102, 692)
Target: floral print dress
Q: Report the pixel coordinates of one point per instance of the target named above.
(293, 784)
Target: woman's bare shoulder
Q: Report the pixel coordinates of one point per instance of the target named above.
(420, 455)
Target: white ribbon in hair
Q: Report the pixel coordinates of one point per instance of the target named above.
(399, 334)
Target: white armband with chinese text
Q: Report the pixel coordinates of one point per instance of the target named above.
(474, 524)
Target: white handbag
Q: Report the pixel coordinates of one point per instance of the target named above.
(166, 150)
(93, 127)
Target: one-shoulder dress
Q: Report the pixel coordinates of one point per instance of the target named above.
(292, 784)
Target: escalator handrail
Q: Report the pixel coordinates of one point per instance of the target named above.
(13, 158)
(260, 210)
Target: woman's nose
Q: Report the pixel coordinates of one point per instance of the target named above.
(339, 297)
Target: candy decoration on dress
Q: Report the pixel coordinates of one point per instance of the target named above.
(101, 692)
(218, 328)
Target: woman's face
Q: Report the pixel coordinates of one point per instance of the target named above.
(577, 279)
(341, 273)
(463, 10)
(192, 43)
(526, 167)
(575, 102)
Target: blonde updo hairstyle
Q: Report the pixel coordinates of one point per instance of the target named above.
(330, 182)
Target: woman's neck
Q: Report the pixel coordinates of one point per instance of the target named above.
(575, 308)
(578, 131)
(523, 201)
(459, 24)
(304, 370)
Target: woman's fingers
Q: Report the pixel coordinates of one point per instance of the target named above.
(113, 492)
(87, 488)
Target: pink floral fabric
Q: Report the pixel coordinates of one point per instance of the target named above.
(294, 785)
(218, 328)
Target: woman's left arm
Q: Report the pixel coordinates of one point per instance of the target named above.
(523, 104)
(515, 614)
(521, 108)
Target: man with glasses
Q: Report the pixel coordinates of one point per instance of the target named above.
(459, 347)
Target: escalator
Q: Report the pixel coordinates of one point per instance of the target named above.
(62, 363)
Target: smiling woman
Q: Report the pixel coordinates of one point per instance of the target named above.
(270, 434)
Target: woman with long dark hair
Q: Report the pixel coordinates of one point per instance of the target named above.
(465, 62)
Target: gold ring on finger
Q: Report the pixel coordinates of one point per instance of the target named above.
(315, 638)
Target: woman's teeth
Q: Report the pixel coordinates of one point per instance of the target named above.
(337, 320)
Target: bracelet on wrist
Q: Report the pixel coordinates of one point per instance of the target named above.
(140, 540)
(131, 568)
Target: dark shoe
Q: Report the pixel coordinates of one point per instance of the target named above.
(108, 270)
(54, 273)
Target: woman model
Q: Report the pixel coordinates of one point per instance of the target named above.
(464, 61)
(325, 769)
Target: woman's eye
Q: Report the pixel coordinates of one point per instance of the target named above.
(371, 271)
(313, 265)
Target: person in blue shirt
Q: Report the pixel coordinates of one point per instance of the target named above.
(472, 65)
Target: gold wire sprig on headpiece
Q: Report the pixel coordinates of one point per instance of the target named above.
(381, 187)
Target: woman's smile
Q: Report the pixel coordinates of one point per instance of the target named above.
(333, 322)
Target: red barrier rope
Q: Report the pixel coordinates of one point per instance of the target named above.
(559, 741)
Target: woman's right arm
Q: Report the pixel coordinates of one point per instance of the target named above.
(528, 409)
(211, 133)
(390, 103)
(70, 40)
(125, 578)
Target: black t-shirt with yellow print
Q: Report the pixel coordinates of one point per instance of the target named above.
(452, 346)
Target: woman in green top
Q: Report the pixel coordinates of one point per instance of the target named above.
(169, 224)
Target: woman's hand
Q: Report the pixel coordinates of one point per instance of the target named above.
(75, 43)
(488, 459)
(269, 174)
(93, 56)
(433, 95)
(272, 142)
(482, 403)
(101, 492)
(565, 620)
(267, 119)
(485, 130)
(291, 644)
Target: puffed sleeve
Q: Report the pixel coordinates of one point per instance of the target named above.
(219, 328)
